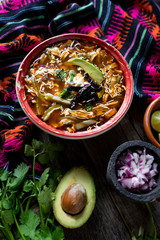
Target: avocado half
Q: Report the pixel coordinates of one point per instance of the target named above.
(75, 175)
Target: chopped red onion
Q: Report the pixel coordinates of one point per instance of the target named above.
(136, 170)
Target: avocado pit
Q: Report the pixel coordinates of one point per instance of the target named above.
(74, 199)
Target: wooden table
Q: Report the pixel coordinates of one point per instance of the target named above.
(114, 216)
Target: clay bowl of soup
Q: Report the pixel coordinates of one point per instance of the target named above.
(74, 86)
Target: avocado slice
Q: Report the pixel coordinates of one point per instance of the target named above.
(89, 68)
(80, 176)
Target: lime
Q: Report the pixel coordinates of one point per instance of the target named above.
(155, 120)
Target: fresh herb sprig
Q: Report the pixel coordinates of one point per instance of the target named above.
(18, 192)
(66, 94)
(72, 75)
(152, 235)
(62, 74)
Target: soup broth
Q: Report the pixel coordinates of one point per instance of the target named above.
(65, 96)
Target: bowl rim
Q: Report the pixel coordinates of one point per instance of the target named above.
(147, 124)
(112, 177)
(83, 134)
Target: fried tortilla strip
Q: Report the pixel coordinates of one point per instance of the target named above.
(112, 104)
(100, 109)
(83, 114)
(110, 113)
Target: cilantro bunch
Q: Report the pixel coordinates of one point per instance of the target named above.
(19, 194)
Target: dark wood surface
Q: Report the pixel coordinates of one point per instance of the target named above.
(114, 216)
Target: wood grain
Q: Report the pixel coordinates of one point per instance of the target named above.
(114, 217)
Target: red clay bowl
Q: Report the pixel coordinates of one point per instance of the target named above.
(23, 69)
(153, 106)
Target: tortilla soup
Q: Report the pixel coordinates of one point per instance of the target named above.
(75, 85)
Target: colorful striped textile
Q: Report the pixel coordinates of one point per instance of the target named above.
(132, 26)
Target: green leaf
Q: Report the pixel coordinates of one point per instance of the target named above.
(43, 158)
(28, 185)
(19, 175)
(36, 144)
(88, 107)
(44, 177)
(51, 221)
(28, 150)
(1, 226)
(45, 199)
(65, 93)
(43, 234)
(1, 171)
(7, 216)
(17, 207)
(54, 179)
(54, 150)
(4, 176)
(21, 170)
(58, 233)
(72, 75)
(51, 151)
(7, 204)
(29, 222)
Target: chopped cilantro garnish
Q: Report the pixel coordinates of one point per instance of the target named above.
(72, 75)
(65, 94)
(88, 107)
(81, 55)
(61, 73)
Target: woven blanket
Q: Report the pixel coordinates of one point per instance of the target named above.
(132, 26)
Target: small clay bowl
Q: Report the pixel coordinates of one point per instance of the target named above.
(153, 106)
(112, 178)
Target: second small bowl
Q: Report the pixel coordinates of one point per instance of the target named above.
(112, 177)
(153, 106)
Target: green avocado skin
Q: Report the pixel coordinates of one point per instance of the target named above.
(89, 68)
(75, 175)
